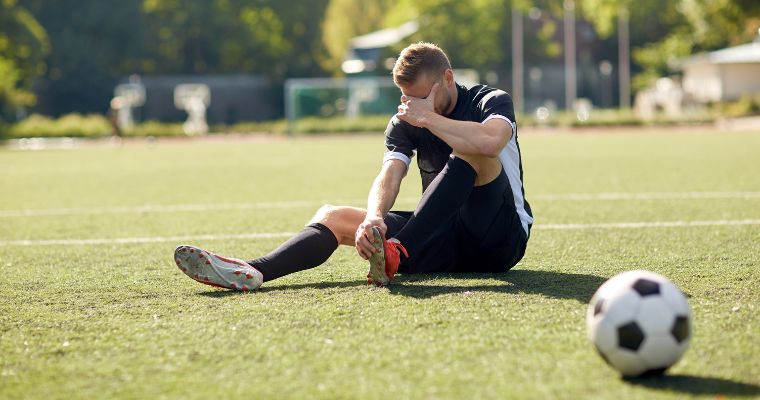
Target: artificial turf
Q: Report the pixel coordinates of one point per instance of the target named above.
(111, 319)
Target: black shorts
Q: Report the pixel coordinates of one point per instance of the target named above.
(485, 235)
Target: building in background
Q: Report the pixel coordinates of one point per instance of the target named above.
(723, 75)
(236, 98)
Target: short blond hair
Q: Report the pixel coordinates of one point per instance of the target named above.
(419, 58)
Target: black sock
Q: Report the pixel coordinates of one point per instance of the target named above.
(445, 196)
(307, 249)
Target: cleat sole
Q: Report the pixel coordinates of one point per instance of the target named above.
(377, 274)
(213, 270)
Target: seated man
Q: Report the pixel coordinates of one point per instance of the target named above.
(472, 217)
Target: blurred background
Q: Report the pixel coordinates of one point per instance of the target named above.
(90, 68)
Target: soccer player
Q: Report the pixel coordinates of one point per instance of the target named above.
(473, 216)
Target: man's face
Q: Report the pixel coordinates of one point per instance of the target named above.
(422, 87)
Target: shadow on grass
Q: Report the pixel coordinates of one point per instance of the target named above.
(697, 385)
(548, 283)
(218, 293)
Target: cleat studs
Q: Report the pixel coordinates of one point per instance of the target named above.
(192, 251)
(245, 288)
(238, 272)
(249, 275)
(234, 286)
(208, 262)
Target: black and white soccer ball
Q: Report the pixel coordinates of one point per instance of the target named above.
(640, 323)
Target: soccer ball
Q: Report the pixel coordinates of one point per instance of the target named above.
(640, 323)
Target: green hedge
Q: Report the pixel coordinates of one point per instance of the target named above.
(93, 125)
(71, 125)
(90, 126)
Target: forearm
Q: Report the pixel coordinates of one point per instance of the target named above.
(384, 190)
(468, 137)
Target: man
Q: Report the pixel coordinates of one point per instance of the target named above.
(472, 217)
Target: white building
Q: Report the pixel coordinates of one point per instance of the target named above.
(723, 75)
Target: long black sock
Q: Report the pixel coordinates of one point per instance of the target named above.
(445, 196)
(307, 249)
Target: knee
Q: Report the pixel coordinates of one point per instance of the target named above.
(486, 168)
(342, 221)
(325, 213)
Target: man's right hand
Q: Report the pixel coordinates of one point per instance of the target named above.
(364, 238)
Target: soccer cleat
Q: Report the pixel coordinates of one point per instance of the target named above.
(384, 263)
(214, 270)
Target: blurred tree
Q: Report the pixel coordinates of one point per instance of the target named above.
(97, 43)
(482, 45)
(233, 36)
(94, 43)
(662, 32)
(346, 19)
(23, 46)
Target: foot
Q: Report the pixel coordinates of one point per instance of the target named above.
(214, 270)
(383, 265)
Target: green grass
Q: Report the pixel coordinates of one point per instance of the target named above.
(121, 321)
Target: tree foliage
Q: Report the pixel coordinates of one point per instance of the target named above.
(23, 46)
(346, 19)
(73, 52)
(663, 32)
(232, 36)
(471, 32)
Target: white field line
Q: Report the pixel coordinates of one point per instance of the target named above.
(140, 240)
(648, 196)
(652, 224)
(182, 239)
(359, 202)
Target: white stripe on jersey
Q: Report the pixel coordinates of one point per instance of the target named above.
(394, 155)
(510, 161)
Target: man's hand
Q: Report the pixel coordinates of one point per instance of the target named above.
(416, 111)
(364, 238)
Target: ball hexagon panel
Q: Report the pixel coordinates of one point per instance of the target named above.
(627, 362)
(677, 300)
(659, 351)
(604, 335)
(623, 308)
(655, 316)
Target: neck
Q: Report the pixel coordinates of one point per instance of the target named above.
(454, 98)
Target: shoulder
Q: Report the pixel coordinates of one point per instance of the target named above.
(396, 125)
(397, 128)
(488, 100)
(482, 94)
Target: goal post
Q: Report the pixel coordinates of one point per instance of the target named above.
(340, 97)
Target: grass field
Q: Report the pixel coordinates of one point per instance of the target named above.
(92, 305)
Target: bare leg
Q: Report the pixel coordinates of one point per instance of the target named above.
(331, 226)
(486, 168)
(343, 221)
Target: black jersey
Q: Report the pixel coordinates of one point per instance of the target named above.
(478, 103)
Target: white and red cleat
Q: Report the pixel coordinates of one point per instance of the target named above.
(211, 269)
(384, 263)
